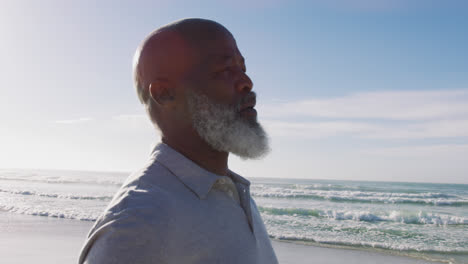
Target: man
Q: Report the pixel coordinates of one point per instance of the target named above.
(185, 205)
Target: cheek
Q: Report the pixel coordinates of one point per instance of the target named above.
(221, 90)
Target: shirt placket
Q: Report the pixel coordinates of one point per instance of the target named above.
(244, 196)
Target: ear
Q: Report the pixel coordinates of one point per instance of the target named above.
(161, 92)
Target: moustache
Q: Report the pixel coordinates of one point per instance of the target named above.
(247, 101)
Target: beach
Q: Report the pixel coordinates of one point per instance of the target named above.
(40, 239)
(35, 239)
(45, 216)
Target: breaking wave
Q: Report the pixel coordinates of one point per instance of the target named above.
(427, 198)
(56, 195)
(393, 216)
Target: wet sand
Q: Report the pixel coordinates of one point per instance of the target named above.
(34, 239)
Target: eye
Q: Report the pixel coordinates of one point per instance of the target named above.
(224, 70)
(221, 72)
(227, 70)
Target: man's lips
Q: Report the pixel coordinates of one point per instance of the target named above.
(247, 105)
(248, 109)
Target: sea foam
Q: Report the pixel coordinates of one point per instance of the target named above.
(393, 216)
(426, 198)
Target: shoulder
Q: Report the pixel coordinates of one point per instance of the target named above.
(145, 198)
(134, 227)
(135, 223)
(132, 236)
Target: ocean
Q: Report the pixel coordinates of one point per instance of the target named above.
(423, 220)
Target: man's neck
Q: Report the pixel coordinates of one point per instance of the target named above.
(198, 151)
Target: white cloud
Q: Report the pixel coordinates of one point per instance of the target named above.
(74, 121)
(321, 129)
(434, 129)
(377, 115)
(429, 151)
(400, 105)
(317, 129)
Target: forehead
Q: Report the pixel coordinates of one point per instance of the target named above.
(225, 57)
(219, 49)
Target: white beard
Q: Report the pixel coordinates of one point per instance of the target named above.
(225, 130)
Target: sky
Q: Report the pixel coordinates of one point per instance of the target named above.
(349, 90)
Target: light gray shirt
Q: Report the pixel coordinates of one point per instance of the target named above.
(173, 211)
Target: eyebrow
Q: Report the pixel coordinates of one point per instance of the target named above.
(225, 57)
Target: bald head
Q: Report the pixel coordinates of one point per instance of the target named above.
(192, 79)
(170, 51)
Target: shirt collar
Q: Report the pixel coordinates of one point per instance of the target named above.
(236, 178)
(194, 177)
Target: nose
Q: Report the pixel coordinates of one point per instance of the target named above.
(245, 84)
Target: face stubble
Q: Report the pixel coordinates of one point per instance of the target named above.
(224, 129)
